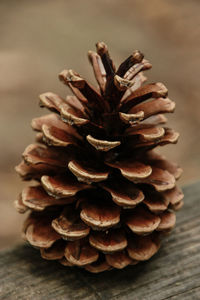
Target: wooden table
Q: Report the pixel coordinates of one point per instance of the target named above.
(174, 273)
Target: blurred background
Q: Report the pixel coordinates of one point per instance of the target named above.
(41, 38)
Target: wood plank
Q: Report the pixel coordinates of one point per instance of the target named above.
(174, 273)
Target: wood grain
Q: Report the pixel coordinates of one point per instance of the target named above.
(174, 273)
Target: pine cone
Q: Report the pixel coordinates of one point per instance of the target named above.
(104, 198)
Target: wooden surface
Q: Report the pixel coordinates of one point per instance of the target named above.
(174, 273)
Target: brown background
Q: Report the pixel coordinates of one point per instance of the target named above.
(40, 38)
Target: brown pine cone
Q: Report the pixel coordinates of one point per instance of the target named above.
(104, 197)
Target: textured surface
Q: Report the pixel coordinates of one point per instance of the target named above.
(172, 274)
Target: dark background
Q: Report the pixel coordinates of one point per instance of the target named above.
(40, 38)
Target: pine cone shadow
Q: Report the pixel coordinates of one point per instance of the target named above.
(69, 280)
